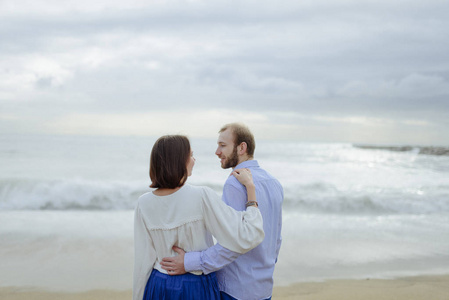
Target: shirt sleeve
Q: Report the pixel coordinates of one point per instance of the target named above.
(238, 231)
(279, 240)
(216, 257)
(144, 255)
(279, 235)
(210, 260)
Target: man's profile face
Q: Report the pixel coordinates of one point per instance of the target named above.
(226, 150)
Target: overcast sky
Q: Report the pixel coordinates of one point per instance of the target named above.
(315, 71)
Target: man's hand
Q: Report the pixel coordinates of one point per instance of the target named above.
(174, 265)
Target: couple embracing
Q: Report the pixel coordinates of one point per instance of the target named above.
(175, 257)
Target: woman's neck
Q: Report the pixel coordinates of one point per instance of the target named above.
(165, 191)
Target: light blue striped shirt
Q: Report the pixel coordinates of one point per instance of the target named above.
(248, 276)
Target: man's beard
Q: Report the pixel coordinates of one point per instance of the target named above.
(232, 160)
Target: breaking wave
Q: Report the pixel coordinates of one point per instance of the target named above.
(29, 194)
(328, 199)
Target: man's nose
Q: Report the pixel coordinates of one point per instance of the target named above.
(217, 152)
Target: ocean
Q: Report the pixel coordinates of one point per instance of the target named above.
(350, 211)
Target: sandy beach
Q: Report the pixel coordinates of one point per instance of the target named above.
(410, 288)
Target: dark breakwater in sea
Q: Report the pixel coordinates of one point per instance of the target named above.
(427, 150)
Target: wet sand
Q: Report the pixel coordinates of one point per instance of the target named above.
(408, 288)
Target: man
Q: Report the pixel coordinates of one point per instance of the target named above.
(248, 276)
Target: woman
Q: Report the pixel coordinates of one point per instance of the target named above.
(179, 214)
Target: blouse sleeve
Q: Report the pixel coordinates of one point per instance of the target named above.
(238, 231)
(144, 255)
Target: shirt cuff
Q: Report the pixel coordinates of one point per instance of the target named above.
(192, 261)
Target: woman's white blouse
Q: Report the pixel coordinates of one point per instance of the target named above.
(186, 219)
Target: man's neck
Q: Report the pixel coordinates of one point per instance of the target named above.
(245, 158)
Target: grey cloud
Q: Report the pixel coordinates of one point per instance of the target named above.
(330, 58)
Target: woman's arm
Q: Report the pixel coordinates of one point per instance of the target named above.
(238, 231)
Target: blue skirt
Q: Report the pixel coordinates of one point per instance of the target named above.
(187, 286)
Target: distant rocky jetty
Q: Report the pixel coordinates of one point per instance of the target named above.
(428, 150)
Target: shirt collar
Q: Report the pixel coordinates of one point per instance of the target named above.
(247, 164)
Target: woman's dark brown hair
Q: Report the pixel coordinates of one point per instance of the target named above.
(168, 162)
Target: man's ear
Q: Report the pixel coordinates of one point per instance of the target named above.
(242, 148)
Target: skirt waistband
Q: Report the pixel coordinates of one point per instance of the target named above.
(157, 266)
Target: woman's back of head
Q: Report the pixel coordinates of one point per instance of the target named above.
(168, 161)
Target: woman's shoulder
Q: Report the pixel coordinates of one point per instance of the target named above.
(199, 189)
(194, 188)
(187, 195)
(203, 193)
(145, 197)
